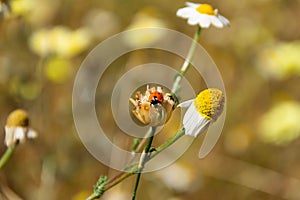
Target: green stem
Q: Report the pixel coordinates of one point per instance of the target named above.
(136, 185)
(6, 156)
(187, 62)
(121, 178)
(168, 143)
(134, 166)
(143, 160)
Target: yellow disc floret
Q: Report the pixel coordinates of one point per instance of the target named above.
(18, 117)
(205, 9)
(209, 103)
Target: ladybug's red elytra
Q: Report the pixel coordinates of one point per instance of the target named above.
(153, 107)
(156, 97)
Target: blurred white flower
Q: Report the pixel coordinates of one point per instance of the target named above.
(17, 128)
(59, 41)
(67, 43)
(39, 43)
(202, 14)
(280, 125)
(202, 110)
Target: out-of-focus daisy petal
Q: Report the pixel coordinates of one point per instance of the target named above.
(184, 12)
(9, 136)
(193, 20)
(224, 20)
(31, 133)
(204, 22)
(19, 134)
(202, 14)
(216, 22)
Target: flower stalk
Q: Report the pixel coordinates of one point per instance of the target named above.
(134, 167)
(187, 62)
(6, 156)
(143, 160)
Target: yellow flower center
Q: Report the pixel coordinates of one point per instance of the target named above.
(18, 117)
(205, 9)
(209, 103)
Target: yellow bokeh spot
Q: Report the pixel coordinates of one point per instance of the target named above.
(209, 103)
(280, 125)
(30, 90)
(144, 37)
(22, 7)
(58, 70)
(206, 9)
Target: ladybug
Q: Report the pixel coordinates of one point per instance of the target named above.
(156, 98)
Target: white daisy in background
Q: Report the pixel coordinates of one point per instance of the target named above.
(202, 14)
(17, 128)
(202, 110)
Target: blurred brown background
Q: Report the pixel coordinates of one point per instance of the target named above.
(43, 42)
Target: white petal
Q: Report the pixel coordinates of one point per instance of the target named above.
(185, 12)
(223, 20)
(15, 134)
(193, 5)
(189, 117)
(186, 104)
(193, 122)
(193, 20)
(204, 21)
(202, 125)
(216, 22)
(31, 133)
(9, 136)
(19, 134)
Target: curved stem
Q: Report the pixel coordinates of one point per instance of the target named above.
(187, 62)
(6, 156)
(134, 167)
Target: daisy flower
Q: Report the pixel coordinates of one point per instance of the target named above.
(202, 110)
(202, 14)
(17, 128)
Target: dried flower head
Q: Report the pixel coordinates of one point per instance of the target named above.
(17, 128)
(202, 110)
(154, 107)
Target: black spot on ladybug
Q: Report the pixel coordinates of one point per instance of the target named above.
(155, 101)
